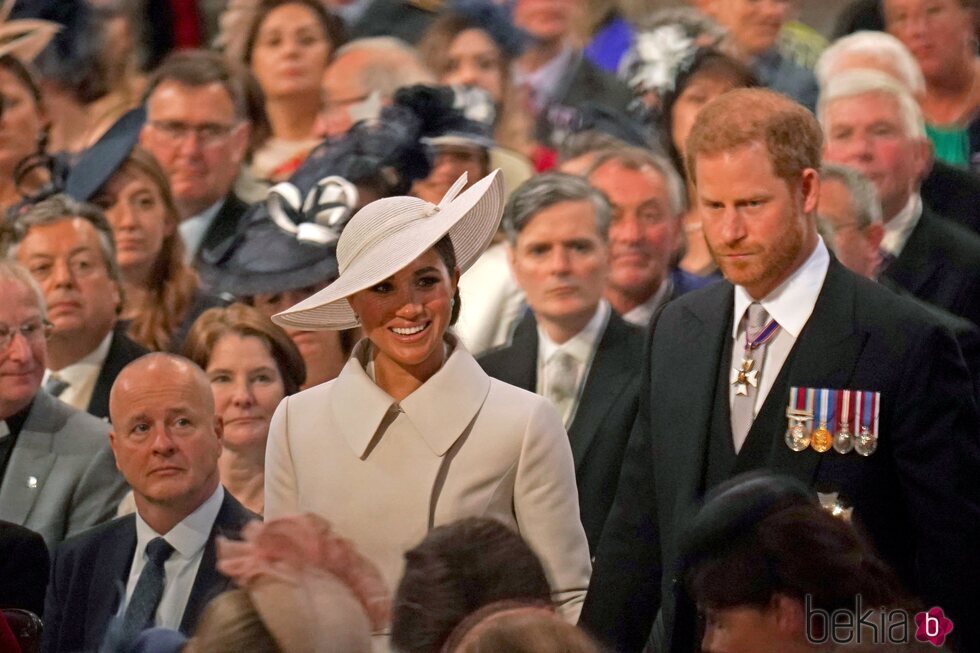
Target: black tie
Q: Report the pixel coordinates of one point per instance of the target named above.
(149, 588)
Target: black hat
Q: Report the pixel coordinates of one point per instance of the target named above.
(735, 507)
(264, 258)
(98, 163)
(290, 240)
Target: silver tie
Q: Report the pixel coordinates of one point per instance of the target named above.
(560, 382)
(743, 408)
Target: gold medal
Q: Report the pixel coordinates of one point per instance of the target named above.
(821, 439)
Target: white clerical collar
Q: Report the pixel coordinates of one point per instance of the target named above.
(582, 345)
(898, 229)
(792, 302)
(191, 533)
(85, 367)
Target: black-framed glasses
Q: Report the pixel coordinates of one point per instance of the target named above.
(32, 330)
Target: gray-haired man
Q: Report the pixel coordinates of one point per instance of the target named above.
(68, 248)
(57, 473)
(571, 346)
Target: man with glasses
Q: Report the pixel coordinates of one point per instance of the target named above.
(197, 127)
(67, 246)
(57, 472)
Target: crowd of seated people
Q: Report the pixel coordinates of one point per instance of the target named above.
(489, 326)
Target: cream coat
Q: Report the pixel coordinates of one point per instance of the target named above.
(461, 445)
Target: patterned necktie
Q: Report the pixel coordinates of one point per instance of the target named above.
(55, 385)
(560, 382)
(143, 604)
(750, 375)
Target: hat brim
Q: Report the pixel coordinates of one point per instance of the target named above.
(471, 220)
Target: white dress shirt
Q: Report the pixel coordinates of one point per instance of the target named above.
(899, 228)
(193, 229)
(82, 375)
(791, 305)
(642, 314)
(187, 538)
(544, 81)
(581, 347)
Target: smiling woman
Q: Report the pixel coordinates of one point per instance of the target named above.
(413, 434)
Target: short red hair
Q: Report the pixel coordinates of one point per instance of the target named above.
(745, 116)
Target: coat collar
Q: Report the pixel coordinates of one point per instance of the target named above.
(440, 410)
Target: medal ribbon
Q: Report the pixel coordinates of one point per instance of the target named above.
(843, 406)
(763, 337)
(866, 406)
(876, 397)
(810, 400)
(858, 405)
(829, 409)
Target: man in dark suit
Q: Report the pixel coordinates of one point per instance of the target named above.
(849, 219)
(558, 79)
(723, 360)
(646, 234)
(557, 226)
(68, 248)
(872, 123)
(197, 128)
(156, 567)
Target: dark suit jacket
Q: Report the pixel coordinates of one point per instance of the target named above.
(581, 84)
(89, 574)
(953, 193)
(600, 429)
(399, 18)
(940, 264)
(917, 495)
(122, 352)
(24, 565)
(224, 225)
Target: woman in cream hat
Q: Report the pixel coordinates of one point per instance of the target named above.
(413, 434)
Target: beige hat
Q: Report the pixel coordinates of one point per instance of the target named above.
(390, 233)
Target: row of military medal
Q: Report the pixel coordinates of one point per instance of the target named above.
(846, 420)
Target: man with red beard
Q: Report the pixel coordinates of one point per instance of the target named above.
(747, 374)
(646, 234)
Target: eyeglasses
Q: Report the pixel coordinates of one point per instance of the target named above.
(208, 133)
(33, 331)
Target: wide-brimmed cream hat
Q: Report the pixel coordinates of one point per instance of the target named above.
(386, 235)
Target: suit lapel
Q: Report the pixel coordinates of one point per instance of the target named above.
(705, 328)
(824, 356)
(209, 581)
(608, 378)
(98, 405)
(917, 264)
(522, 365)
(30, 461)
(111, 573)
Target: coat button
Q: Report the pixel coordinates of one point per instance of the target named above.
(32, 482)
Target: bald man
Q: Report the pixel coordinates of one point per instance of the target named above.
(157, 567)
